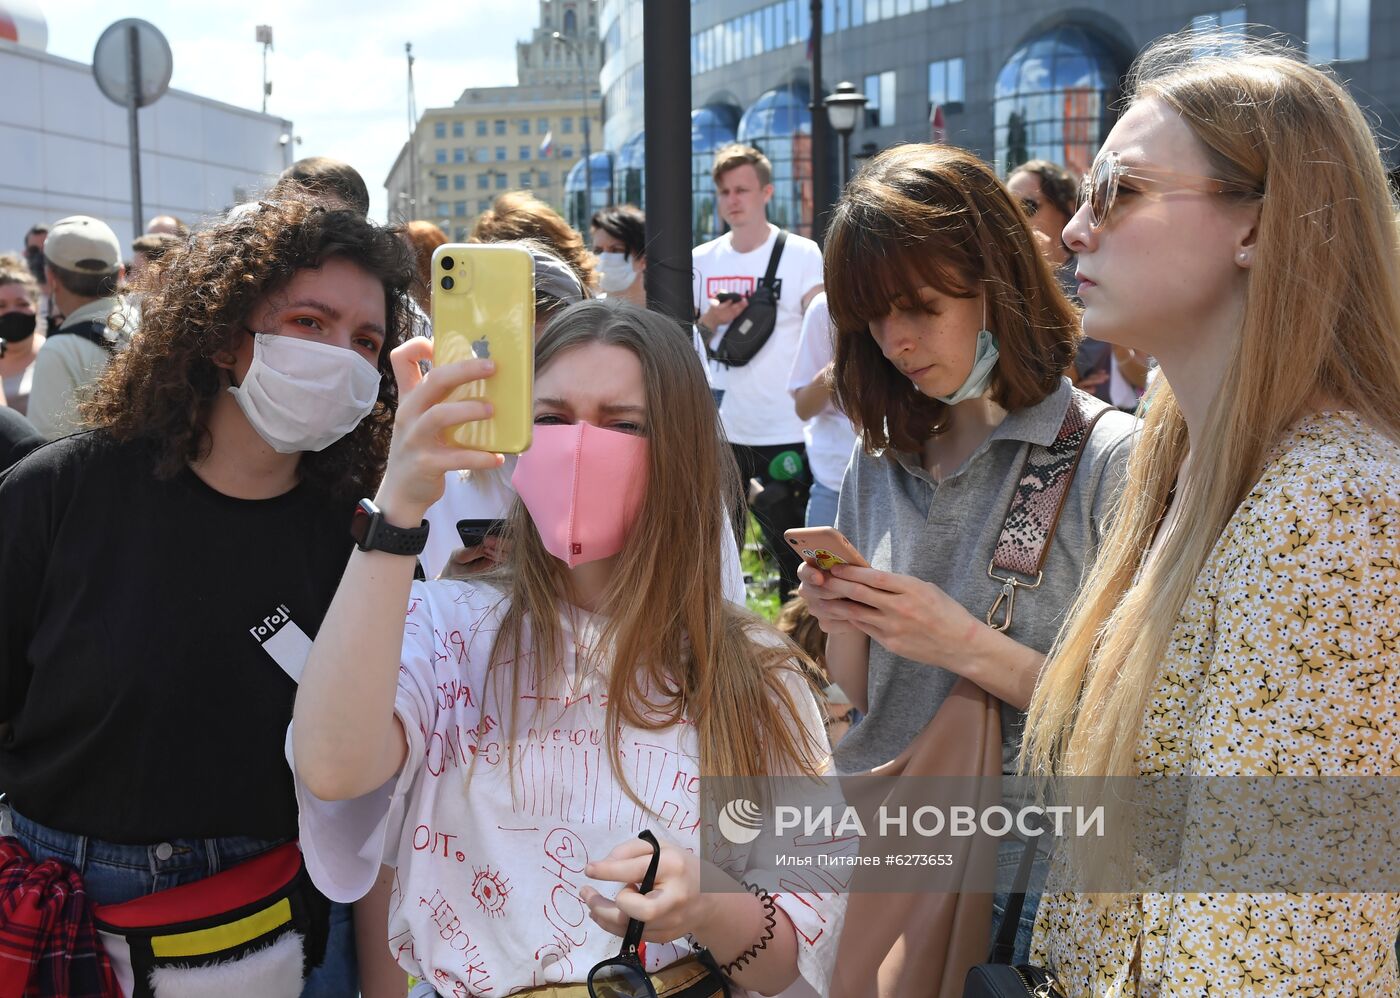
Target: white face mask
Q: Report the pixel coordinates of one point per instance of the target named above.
(616, 273)
(301, 395)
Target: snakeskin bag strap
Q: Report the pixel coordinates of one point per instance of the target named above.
(1034, 511)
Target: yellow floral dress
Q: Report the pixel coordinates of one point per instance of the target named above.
(1285, 660)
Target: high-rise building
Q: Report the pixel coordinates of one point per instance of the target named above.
(498, 139)
(1011, 80)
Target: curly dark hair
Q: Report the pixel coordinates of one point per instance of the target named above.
(199, 297)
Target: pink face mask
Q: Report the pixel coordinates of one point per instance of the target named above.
(583, 486)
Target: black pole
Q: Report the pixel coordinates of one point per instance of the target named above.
(666, 48)
(845, 159)
(821, 134)
(133, 80)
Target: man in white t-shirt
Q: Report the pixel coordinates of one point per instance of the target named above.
(827, 430)
(757, 412)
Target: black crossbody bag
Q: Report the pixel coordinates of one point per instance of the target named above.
(753, 326)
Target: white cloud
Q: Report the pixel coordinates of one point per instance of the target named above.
(338, 71)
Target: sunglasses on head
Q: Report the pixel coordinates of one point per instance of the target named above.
(1101, 185)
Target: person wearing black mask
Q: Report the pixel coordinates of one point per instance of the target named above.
(19, 340)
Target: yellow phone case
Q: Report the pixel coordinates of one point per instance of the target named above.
(483, 305)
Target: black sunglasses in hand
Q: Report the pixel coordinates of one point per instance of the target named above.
(623, 976)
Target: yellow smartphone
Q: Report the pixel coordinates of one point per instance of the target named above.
(483, 306)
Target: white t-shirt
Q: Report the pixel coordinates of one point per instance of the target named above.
(755, 409)
(828, 434)
(489, 495)
(485, 894)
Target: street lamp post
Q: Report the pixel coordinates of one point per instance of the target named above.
(587, 148)
(843, 109)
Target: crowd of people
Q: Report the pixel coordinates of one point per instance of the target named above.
(1117, 455)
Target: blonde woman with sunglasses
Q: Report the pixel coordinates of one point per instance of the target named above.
(1242, 618)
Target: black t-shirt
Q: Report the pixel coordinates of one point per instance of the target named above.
(17, 436)
(141, 626)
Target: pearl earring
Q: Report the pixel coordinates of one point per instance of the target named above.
(1243, 257)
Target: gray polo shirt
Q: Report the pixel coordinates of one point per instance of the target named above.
(895, 515)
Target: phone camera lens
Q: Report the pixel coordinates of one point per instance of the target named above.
(448, 263)
(447, 283)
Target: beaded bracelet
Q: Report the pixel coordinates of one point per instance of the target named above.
(770, 915)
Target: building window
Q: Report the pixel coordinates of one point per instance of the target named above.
(500, 154)
(945, 84)
(500, 126)
(440, 156)
(1228, 22)
(439, 129)
(879, 99)
(1053, 99)
(566, 125)
(522, 126)
(441, 182)
(459, 208)
(780, 124)
(542, 126)
(1338, 30)
(459, 182)
(459, 129)
(524, 152)
(570, 23)
(484, 204)
(525, 179)
(483, 182)
(481, 129)
(500, 181)
(566, 153)
(482, 155)
(459, 155)
(544, 178)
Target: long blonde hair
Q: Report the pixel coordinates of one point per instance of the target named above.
(675, 649)
(1321, 317)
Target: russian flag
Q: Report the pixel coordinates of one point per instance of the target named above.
(547, 144)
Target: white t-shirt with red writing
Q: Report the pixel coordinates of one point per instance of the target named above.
(485, 896)
(756, 407)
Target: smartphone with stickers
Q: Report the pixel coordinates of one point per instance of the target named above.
(823, 547)
(483, 306)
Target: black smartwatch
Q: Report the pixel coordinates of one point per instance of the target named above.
(373, 533)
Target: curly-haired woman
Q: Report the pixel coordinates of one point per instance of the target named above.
(162, 573)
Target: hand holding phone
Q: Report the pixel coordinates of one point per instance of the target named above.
(823, 547)
(726, 297)
(483, 306)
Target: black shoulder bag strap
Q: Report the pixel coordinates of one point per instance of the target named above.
(92, 330)
(770, 275)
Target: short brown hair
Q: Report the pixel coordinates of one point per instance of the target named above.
(1056, 183)
(937, 216)
(13, 270)
(519, 215)
(422, 238)
(320, 176)
(731, 157)
(155, 245)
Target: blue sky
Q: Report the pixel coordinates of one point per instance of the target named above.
(338, 71)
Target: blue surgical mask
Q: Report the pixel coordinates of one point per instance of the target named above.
(983, 366)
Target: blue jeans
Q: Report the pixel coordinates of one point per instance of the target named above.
(113, 873)
(1009, 853)
(821, 506)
